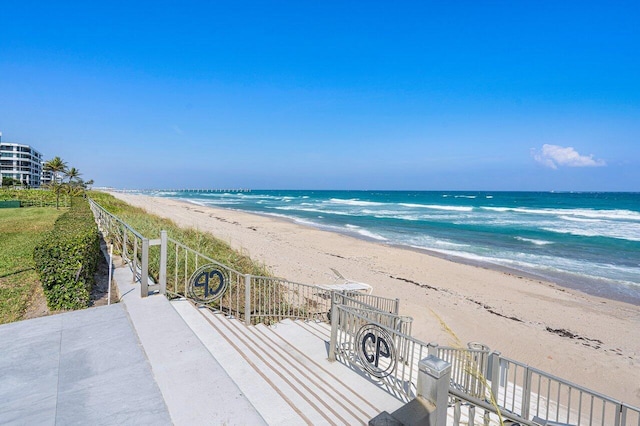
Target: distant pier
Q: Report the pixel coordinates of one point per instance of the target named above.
(201, 190)
(181, 190)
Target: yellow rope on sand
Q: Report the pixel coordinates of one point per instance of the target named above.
(471, 366)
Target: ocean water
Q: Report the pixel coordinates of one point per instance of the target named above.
(587, 241)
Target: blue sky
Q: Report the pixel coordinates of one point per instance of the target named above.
(512, 95)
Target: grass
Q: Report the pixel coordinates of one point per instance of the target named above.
(181, 265)
(150, 225)
(20, 231)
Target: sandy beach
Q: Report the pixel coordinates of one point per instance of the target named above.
(591, 341)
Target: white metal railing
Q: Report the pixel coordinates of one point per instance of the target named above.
(183, 261)
(534, 394)
(127, 242)
(250, 298)
(376, 310)
(527, 394)
(482, 383)
(379, 303)
(400, 368)
(274, 299)
(468, 367)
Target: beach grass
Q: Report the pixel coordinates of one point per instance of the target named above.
(20, 230)
(150, 225)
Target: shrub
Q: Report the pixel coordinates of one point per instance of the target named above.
(67, 257)
(33, 197)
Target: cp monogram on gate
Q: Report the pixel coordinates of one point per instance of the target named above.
(376, 350)
(208, 283)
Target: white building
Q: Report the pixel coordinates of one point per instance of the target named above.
(20, 162)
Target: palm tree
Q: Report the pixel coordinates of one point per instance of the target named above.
(75, 184)
(73, 174)
(56, 166)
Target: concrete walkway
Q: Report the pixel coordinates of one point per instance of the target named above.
(135, 362)
(83, 367)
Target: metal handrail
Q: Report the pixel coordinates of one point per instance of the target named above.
(379, 303)
(124, 238)
(531, 392)
(389, 319)
(250, 298)
(116, 218)
(468, 368)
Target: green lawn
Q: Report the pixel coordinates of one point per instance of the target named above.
(20, 231)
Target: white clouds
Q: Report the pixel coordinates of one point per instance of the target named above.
(554, 156)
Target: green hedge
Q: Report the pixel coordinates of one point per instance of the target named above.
(34, 197)
(67, 257)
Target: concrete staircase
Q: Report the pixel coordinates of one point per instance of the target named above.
(284, 372)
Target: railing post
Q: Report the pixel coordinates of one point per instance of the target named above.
(331, 307)
(162, 278)
(434, 375)
(125, 242)
(621, 415)
(397, 307)
(457, 413)
(494, 365)
(135, 255)
(433, 348)
(335, 314)
(247, 299)
(144, 269)
(526, 393)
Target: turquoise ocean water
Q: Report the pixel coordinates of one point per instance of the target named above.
(588, 241)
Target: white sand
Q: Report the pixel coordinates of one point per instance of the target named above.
(507, 312)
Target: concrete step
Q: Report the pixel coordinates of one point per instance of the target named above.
(284, 372)
(194, 386)
(282, 386)
(320, 329)
(321, 405)
(336, 392)
(365, 393)
(275, 407)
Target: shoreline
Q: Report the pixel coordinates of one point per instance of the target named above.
(587, 286)
(550, 280)
(585, 339)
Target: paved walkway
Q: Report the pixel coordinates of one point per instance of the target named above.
(83, 367)
(135, 362)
